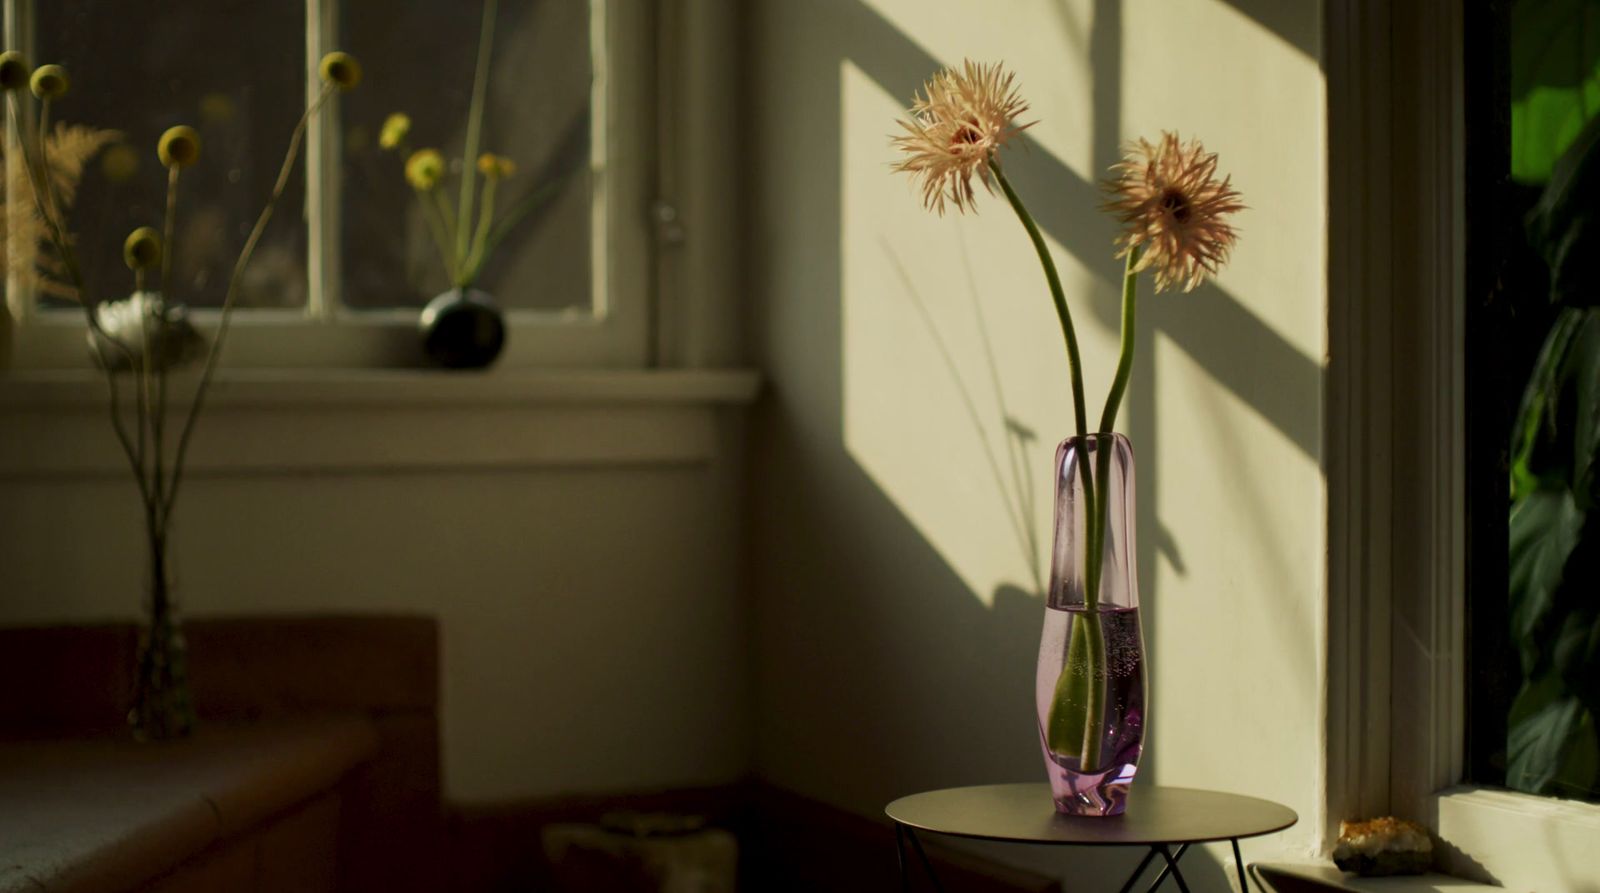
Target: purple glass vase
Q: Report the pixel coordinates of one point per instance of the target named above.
(1090, 686)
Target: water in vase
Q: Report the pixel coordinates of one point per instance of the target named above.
(1096, 671)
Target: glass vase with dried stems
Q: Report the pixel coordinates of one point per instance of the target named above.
(146, 335)
(1174, 214)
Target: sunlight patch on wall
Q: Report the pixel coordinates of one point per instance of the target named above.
(1050, 56)
(1238, 618)
(1256, 101)
(954, 378)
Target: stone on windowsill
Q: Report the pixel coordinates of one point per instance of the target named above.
(1382, 847)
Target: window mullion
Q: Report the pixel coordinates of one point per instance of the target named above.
(322, 169)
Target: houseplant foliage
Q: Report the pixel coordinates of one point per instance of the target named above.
(145, 335)
(1553, 744)
(1174, 213)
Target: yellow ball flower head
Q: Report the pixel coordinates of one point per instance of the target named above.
(142, 250)
(424, 169)
(496, 167)
(341, 70)
(14, 71)
(50, 82)
(179, 146)
(395, 129)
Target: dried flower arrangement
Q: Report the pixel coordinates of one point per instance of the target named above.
(1175, 216)
(146, 334)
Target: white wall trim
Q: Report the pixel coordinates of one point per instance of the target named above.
(1395, 423)
(386, 421)
(1395, 398)
(1357, 424)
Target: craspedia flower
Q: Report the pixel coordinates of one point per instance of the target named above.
(395, 129)
(424, 168)
(142, 250)
(1173, 208)
(14, 71)
(50, 82)
(341, 70)
(962, 119)
(179, 146)
(496, 167)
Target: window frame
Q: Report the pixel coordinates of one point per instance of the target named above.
(1396, 452)
(626, 164)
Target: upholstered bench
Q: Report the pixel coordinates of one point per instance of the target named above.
(252, 807)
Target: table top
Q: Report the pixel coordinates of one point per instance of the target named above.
(1025, 813)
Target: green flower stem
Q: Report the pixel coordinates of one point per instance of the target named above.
(1130, 307)
(541, 195)
(1074, 364)
(158, 419)
(437, 214)
(231, 295)
(1079, 689)
(480, 238)
(480, 83)
(1093, 640)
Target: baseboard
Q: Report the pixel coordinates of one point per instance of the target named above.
(788, 843)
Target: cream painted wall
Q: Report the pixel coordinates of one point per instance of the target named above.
(593, 637)
(919, 386)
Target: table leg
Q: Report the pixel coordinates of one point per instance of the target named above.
(1238, 865)
(927, 866)
(900, 856)
(1134, 878)
(1172, 866)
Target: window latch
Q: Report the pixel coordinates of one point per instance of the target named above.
(669, 224)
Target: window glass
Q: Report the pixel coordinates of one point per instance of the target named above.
(1535, 627)
(419, 59)
(233, 69)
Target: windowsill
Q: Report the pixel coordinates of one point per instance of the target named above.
(1519, 840)
(325, 420)
(323, 388)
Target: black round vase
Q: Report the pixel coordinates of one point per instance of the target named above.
(463, 329)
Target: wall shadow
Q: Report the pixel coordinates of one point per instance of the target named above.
(923, 658)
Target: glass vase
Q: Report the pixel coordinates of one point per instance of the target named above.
(163, 708)
(1090, 687)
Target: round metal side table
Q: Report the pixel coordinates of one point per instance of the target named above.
(1167, 821)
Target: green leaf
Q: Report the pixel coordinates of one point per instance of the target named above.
(1564, 226)
(1555, 81)
(1557, 434)
(1554, 747)
(1545, 527)
(1069, 710)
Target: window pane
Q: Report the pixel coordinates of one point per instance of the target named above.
(233, 69)
(419, 59)
(1535, 657)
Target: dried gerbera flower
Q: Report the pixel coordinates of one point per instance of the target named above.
(1173, 209)
(956, 127)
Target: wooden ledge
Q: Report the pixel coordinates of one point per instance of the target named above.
(99, 815)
